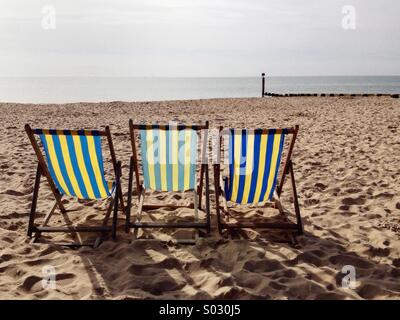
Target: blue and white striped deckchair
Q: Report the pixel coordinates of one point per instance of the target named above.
(73, 166)
(169, 162)
(254, 162)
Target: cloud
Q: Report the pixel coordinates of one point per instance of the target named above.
(198, 38)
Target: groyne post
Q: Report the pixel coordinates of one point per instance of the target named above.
(263, 84)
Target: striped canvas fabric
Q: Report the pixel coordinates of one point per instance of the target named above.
(254, 159)
(169, 158)
(75, 163)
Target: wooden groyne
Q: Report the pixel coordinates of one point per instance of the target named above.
(271, 94)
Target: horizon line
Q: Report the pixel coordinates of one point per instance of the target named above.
(196, 77)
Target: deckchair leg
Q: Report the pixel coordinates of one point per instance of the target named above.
(196, 212)
(292, 239)
(139, 212)
(278, 204)
(196, 205)
(200, 187)
(296, 200)
(287, 161)
(48, 216)
(109, 210)
(208, 213)
(114, 221)
(224, 202)
(45, 222)
(217, 192)
(140, 206)
(129, 201)
(113, 207)
(34, 201)
(110, 207)
(121, 200)
(73, 233)
(96, 243)
(118, 192)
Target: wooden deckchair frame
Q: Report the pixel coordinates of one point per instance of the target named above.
(134, 169)
(287, 170)
(42, 170)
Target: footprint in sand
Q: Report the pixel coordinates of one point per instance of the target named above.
(5, 257)
(14, 193)
(320, 186)
(162, 284)
(379, 252)
(384, 195)
(32, 283)
(357, 262)
(311, 202)
(63, 279)
(262, 266)
(369, 291)
(354, 201)
(311, 257)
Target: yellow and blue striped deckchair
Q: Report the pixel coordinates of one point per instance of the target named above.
(169, 162)
(254, 160)
(73, 166)
(75, 162)
(169, 158)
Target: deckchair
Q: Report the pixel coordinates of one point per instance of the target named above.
(169, 162)
(72, 164)
(254, 163)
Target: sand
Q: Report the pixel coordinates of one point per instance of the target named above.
(347, 164)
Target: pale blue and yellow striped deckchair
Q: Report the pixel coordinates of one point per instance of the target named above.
(254, 160)
(73, 166)
(169, 163)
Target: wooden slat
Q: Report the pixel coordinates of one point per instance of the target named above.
(166, 205)
(69, 132)
(265, 225)
(167, 225)
(169, 127)
(72, 229)
(291, 130)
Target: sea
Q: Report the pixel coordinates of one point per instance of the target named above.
(96, 89)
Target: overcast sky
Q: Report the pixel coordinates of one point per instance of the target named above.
(198, 38)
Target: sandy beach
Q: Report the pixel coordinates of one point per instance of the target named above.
(347, 166)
